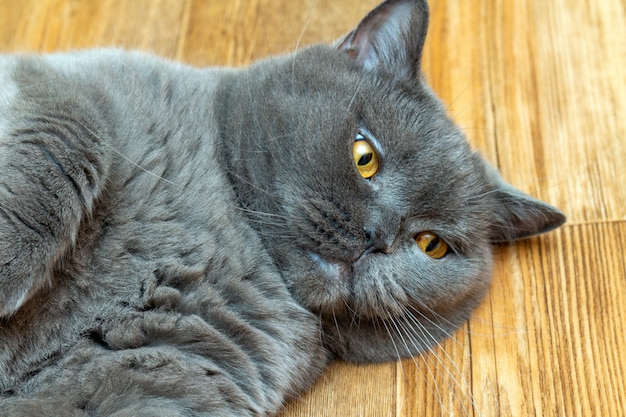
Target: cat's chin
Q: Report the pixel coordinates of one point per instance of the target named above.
(381, 340)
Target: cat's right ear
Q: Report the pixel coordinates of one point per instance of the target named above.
(390, 39)
(517, 215)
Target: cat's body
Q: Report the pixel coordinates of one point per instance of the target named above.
(177, 241)
(161, 259)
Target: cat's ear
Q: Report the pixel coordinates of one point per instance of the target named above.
(517, 215)
(390, 39)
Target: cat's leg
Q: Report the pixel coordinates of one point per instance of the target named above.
(52, 167)
(168, 364)
(29, 407)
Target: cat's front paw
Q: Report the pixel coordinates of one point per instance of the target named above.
(21, 270)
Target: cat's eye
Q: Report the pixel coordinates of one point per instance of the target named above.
(432, 245)
(365, 157)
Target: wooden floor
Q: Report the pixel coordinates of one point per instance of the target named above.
(540, 88)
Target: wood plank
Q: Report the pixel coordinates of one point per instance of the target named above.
(59, 25)
(557, 359)
(238, 32)
(539, 87)
(350, 390)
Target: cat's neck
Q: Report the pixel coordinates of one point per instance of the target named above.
(240, 137)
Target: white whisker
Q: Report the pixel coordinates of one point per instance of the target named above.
(302, 32)
(438, 394)
(392, 339)
(429, 339)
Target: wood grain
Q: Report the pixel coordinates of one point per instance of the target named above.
(540, 89)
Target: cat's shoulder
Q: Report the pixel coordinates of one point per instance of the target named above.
(82, 57)
(81, 64)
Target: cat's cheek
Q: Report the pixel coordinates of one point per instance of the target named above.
(319, 286)
(386, 285)
(458, 285)
(457, 273)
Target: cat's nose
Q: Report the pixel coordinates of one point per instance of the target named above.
(373, 241)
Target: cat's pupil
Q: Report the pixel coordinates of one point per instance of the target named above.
(365, 159)
(433, 244)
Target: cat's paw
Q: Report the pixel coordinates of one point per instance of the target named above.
(22, 271)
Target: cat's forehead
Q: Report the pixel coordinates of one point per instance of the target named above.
(409, 118)
(426, 159)
(412, 129)
(327, 101)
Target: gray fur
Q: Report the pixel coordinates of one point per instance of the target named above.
(181, 241)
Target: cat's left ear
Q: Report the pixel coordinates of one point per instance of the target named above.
(390, 39)
(517, 215)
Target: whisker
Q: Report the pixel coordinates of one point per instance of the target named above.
(337, 325)
(354, 96)
(306, 25)
(431, 340)
(251, 184)
(355, 318)
(261, 213)
(392, 339)
(427, 337)
(302, 32)
(147, 171)
(437, 393)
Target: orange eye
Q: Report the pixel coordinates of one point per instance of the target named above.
(365, 157)
(432, 245)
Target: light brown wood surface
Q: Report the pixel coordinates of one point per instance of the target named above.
(540, 88)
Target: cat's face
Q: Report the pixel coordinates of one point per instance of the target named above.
(376, 211)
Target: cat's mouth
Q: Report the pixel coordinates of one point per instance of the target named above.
(353, 288)
(332, 268)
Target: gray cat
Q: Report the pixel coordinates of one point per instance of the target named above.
(201, 242)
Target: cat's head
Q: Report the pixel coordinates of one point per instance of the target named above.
(375, 209)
